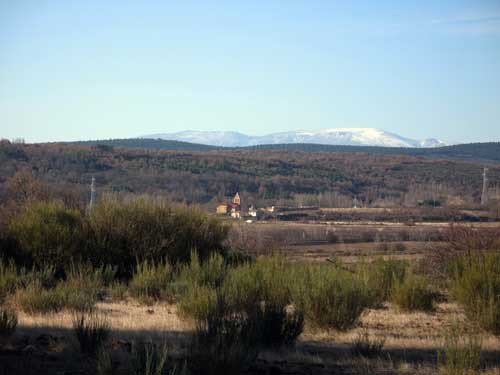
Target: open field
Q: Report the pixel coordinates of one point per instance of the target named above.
(346, 240)
(411, 341)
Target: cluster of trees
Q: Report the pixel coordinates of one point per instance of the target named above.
(264, 176)
(117, 233)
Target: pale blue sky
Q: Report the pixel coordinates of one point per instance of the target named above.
(113, 69)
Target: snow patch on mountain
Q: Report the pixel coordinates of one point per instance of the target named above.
(334, 136)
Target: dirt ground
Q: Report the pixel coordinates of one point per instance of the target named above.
(43, 344)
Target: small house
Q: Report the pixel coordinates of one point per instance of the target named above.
(222, 209)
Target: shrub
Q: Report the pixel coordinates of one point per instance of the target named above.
(45, 275)
(8, 322)
(49, 233)
(90, 281)
(123, 233)
(91, 332)
(222, 341)
(105, 364)
(263, 292)
(210, 273)
(8, 280)
(238, 311)
(117, 291)
(413, 293)
(382, 275)
(34, 299)
(475, 284)
(79, 292)
(148, 358)
(334, 298)
(275, 326)
(152, 282)
(199, 303)
(223, 350)
(366, 346)
(461, 353)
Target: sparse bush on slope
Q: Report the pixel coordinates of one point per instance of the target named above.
(381, 276)
(461, 353)
(124, 233)
(49, 233)
(475, 284)
(8, 280)
(91, 331)
(118, 233)
(8, 322)
(152, 282)
(413, 294)
(334, 298)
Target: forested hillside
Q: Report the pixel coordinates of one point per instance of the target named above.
(489, 151)
(261, 175)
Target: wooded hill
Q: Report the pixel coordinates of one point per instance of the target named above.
(262, 176)
(489, 151)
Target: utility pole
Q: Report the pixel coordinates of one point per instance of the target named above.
(484, 195)
(92, 194)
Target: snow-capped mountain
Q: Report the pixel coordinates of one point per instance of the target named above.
(336, 136)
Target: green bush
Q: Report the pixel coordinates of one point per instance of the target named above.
(152, 282)
(210, 273)
(224, 349)
(366, 346)
(333, 298)
(117, 291)
(148, 358)
(263, 292)
(83, 287)
(49, 233)
(34, 299)
(413, 294)
(461, 353)
(123, 233)
(8, 322)
(9, 280)
(105, 365)
(45, 275)
(382, 275)
(91, 332)
(238, 310)
(475, 284)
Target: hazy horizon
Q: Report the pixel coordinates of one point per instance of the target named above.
(99, 70)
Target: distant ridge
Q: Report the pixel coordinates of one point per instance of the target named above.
(145, 143)
(489, 151)
(333, 136)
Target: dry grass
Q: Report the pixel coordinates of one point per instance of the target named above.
(128, 320)
(403, 330)
(409, 337)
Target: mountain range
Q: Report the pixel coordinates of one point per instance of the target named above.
(334, 136)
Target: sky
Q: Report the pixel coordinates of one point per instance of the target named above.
(75, 70)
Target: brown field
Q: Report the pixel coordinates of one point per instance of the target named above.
(348, 240)
(412, 341)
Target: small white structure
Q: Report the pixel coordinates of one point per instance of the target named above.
(252, 211)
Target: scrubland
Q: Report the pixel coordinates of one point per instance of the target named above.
(143, 287)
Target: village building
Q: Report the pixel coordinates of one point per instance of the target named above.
(252, 211)
(221, 209)
(233, 208)
(237, 199)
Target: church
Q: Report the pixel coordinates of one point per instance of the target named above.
(233, 208)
